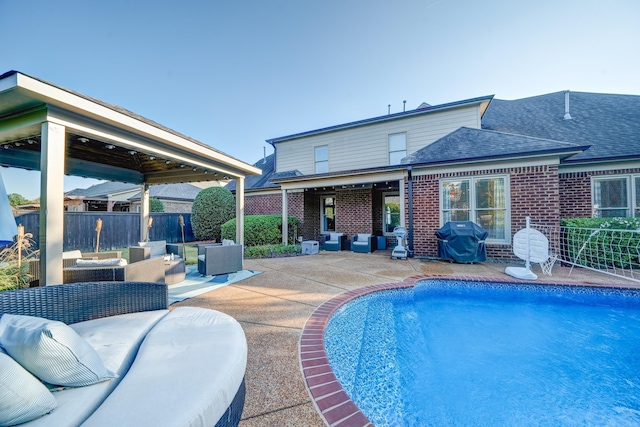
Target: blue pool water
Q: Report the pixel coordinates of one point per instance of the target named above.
(479, 354)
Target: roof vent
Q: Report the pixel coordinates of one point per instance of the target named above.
(423, 105)
(567, 116)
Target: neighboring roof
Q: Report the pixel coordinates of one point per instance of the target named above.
(180, 191)
(467, 144)
(428, 109)
(102, 190)
(268, 166)
(609, 123)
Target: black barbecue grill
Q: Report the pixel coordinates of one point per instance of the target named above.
(462, 241)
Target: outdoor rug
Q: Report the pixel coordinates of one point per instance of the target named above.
(196, 284)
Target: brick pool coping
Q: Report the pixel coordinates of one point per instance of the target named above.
(329, 398)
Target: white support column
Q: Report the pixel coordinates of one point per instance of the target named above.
(52, 158)
(402, 209)
(144, 211)
(240, 210)
(285, 218)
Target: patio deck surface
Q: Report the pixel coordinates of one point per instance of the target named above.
(273, 307)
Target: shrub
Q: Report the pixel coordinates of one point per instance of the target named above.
(603, 243)
(211, 208)
(262, 229)
(267, 251)
(156, 205)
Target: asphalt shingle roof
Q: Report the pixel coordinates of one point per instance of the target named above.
(467, 144)
(609, 123)
(268, 165)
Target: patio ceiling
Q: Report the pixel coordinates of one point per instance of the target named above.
(102, 141)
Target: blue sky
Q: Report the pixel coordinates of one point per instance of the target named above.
(234, 73)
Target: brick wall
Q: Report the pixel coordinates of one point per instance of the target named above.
(354, 212)
(534, 192)
(263, 204)
(271, 204)
(575, 191)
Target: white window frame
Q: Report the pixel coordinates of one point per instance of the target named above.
(391, 152)
(317, 162)
(323, 230)
(472, 202)
(631, 193)
(385, 194)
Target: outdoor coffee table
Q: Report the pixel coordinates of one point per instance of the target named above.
(174, 271)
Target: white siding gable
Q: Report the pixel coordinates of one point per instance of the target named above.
(367, 146)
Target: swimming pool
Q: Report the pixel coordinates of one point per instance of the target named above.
(481, 353)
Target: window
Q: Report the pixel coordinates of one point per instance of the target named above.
(616, 196)
(390, 212)
(328, 214)
(322, 159)
(482, 200)
(397, 148)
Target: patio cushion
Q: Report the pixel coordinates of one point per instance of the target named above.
(101, 262)
(363, 237)
(71, 254)
(157, 247)
(22, 396)
(334, 237)
(51, 350)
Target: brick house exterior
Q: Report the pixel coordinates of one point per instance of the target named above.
(490, 161)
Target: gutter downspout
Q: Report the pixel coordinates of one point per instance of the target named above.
(410, 207)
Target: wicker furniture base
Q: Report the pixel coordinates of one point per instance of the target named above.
(174, 271)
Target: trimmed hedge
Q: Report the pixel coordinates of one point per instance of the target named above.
(262, 229)
(269, 251)
(211, 208)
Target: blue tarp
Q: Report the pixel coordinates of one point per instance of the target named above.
(8, 227)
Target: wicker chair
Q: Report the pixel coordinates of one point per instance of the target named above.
(363, 243)
(335, 242)
(219, 259)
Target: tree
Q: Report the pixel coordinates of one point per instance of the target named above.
(155, 205)
(211, 208)
(16, 199)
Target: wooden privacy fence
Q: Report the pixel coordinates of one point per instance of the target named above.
(119, 229)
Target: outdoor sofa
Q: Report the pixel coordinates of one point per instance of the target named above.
(219, 258)
(183, 367)
(69, 259)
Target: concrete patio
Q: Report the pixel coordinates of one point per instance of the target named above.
(272, 307)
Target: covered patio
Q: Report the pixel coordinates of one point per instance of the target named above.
(58, 131)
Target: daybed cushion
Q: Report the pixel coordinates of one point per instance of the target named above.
(51, 351)
(186, 373)
(120, 262)
(22, 396)
(116, 339)
(157, 247)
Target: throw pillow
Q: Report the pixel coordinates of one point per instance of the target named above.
(51, 351)
(22, 397)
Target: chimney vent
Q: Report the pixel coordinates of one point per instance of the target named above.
(404, 105)
(567, 116)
